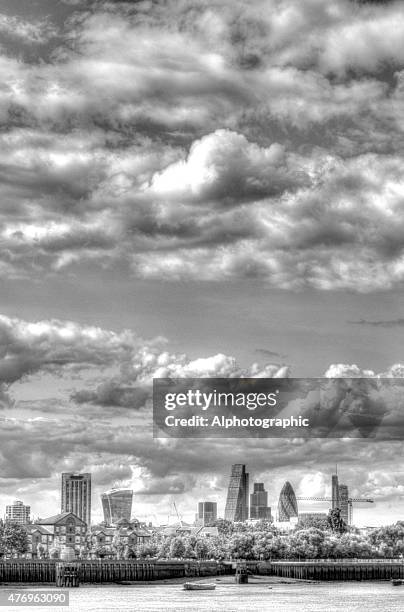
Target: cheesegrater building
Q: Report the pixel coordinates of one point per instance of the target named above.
(237, 495)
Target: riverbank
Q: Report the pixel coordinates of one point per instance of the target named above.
(261, 594)
(218, 580)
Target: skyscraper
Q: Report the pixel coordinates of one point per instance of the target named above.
(76, 495)
(18, 513)
(116, 505)
(287, 505)
(259, 503)
(343, 502)
(207, 513)
(237, 495)
(334, 492)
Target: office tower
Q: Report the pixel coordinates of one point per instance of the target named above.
(18, 513)
(259, 503)
(343, 502)
(76, 495)
(237, 495)
(287, 505)
(334, 492)
(116, 505)
(207, 513)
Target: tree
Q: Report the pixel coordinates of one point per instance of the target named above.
(224, 527)
(241, 546)
(101, 551)
(148, 550)
(13, 539)
(335, 521)
(54, 553)
(318, 522)
(177, 548)
(118, 546)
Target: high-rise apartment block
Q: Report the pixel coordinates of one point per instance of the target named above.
(17, 512)
(76, 495)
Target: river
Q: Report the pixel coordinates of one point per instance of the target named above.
(296, 597)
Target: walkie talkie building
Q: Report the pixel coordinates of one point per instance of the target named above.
(116, 505)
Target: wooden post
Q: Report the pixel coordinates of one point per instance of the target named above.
(67, 574)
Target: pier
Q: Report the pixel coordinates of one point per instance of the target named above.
(103, 571)
(340, 569)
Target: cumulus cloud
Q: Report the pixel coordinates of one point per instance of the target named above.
(212, 141)
(55, 346)
(37, 444)
(28, 32)
(343, 370)
(224, 167)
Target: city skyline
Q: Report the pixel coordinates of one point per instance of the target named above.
(195, 190)
(239, 498)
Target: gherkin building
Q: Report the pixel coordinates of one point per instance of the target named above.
(287, 505)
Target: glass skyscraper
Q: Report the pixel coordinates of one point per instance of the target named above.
(287, 505)
(237, 495)
(343, 502)
(116, 505)
(334, 492)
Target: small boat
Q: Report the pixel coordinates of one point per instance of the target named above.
(199, 586)
(397, 581)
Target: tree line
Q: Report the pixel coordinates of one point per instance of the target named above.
(262, 541)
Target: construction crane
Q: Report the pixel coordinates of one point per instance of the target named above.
(174, 505)
(350, 500)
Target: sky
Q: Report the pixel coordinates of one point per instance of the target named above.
(195, 188)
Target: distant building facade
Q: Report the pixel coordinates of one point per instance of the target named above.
(17, 512)
(207, 513)
(344, 503)
(117, 505)
(236, 509)
(76, 495)
(334, 492)
(312, 515)
(287, 505)
(124, 534)
(65, 529)
(259, 508)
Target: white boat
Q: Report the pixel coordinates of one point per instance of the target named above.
(199, 586)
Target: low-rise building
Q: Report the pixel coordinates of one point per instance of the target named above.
(125, 534)
(65, 529)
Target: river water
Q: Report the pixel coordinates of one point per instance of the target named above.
(303, 597)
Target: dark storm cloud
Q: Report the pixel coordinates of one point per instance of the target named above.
(181, 140)
(268, 353)
(380, 323)
(56, 346)
(112, 393)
